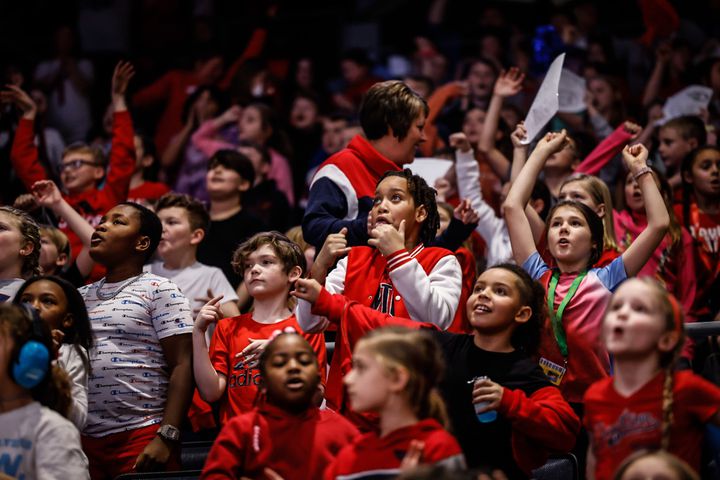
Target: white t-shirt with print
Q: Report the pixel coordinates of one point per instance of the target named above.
(128, 384)
(38, 443)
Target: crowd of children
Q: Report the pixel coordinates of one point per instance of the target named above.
(269, 273)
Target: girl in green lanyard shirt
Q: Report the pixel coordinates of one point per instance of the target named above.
(577, 294)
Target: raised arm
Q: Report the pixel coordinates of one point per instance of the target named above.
(652, 87)
(608, 148)
(48, 195)
(640, 250)
(521, 237)
(469, 187)
(210, 383)
(122, 151)
(24, 153)
(204, 138)
(508, 84)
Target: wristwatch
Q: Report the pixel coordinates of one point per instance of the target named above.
(169, 433)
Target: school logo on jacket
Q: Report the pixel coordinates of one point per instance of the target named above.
(383, 301)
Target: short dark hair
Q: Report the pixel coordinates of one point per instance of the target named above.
(196, 212)
(689, 127)
(234, 160)
(422, 194)
(390, 104)
(150, 226)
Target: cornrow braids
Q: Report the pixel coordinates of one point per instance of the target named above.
(424, 195)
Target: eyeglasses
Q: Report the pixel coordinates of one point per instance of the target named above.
(75, 164)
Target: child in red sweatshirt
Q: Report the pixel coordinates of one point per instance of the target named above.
(286, 434)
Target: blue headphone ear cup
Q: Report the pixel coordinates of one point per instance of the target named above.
(32, 364)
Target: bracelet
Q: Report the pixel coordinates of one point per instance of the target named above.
(641, 172)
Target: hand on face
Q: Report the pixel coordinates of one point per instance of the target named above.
(387, 239)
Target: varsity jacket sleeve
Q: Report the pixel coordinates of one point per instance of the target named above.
(24, 155)
(604, 152)
(122, 159)
(326, 213)
(334, 283)
(429, 298)
(468, 181)
(204, 139)
(544, 417)
(359, 319)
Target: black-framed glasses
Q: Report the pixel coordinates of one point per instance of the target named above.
(75, 164)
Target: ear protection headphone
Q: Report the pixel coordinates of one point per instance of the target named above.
(31, 360)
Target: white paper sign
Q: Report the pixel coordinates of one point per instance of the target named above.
(688, 101)
(545, 105)
(430, 168)
(571, 92)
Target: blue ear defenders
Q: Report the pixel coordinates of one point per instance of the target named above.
(32, 361)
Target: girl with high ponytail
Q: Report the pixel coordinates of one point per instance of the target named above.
(395, 374)
(646, 404)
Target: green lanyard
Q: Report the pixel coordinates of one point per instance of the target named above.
(556, 317)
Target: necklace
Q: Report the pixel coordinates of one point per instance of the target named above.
(110, 296)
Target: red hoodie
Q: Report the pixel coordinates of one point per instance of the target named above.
(294, 446)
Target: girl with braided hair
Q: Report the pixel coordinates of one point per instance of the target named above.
(646, 404)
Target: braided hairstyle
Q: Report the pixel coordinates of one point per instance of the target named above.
(419, 354)
(424, 195)
(673, 317)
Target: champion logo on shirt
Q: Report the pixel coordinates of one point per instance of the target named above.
(628, 423)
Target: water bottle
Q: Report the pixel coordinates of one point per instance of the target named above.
(484, 417)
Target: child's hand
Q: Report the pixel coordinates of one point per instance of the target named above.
(57, 337)
(46, 193)
(509, 83)
(153, 457)
(253, 351)
(553, 142)
(387, 239)
(518, 136)
(442, 187)
(26, 202)
(459, 141)
(307, 289)
(209, 313)
(230, 115)
(412, 456)
(21, 99)
(632, 128)
(635, 157)
(465, 213)
(206, 299)
(486, 390)
(124, 71)
(335, 247)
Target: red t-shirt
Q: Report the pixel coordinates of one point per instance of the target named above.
(705, 229)
(619, 426)
(230, 338)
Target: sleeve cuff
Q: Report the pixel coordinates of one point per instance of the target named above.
(398, 259)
